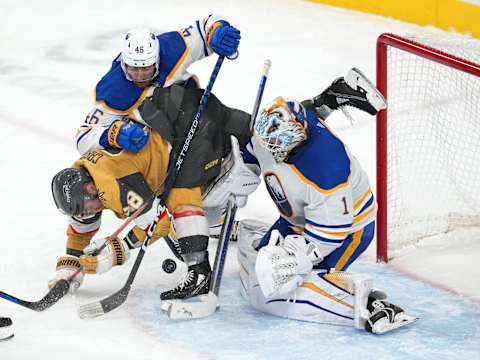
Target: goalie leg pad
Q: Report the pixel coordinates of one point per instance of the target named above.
(362, 287)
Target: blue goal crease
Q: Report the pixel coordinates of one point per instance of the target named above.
(449, 326)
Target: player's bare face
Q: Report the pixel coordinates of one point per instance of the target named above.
(141, 76)
(92, 204)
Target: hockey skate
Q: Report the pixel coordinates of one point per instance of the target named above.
(353, 90)
(196, 282)
(6, 328)
(384, 316)
(192, 298)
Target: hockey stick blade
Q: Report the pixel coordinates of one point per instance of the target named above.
(56, 293)
(99, 308)
(111, 302)
(193, 308)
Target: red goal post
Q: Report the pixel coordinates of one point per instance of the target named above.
(436, 61)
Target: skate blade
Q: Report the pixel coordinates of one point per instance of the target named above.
(356, 78)
(387, 327)
(193, 308)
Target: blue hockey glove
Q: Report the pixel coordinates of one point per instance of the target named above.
(225, 39)
(127, 135)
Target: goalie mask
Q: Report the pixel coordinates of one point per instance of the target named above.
(140, 53)
(281, 126)
(69, 190)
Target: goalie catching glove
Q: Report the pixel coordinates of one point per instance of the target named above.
(281, 268)
(67, 266)
(115, 252)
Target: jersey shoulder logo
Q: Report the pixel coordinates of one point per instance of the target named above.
(275, 189)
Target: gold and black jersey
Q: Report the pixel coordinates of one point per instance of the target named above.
(126, 180)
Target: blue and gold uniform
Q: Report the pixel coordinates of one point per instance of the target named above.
(117, 97)
(321, 192)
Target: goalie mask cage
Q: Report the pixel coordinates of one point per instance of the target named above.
(428, 139)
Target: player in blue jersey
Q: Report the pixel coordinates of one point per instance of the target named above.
(148, 61)
(295, 267)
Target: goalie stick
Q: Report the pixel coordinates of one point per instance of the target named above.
(205, 305)
(113, 301)
(261, 87)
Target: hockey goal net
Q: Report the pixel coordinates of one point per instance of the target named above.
(428, 140)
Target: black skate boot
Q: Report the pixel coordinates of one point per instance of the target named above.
(353, 90)
(6, 331)
(385, 316)
(196, 282)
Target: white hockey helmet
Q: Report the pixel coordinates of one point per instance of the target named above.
(281, 126)
(140, 49)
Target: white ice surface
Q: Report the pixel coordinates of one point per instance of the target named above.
(52, 54)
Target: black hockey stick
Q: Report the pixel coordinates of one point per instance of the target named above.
(55, 294)
(118, 298)
(226, 232)
(61, 287)
(205, 305)
(221, 254)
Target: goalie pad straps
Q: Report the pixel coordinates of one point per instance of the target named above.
(192, 233)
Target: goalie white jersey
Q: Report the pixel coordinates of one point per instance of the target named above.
(320, 190)
(116, 97)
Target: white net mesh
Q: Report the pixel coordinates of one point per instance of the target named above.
(433, 143)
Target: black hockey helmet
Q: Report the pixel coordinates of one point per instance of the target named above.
(68, 191)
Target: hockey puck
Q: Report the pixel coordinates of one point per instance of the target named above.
(169, 266)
